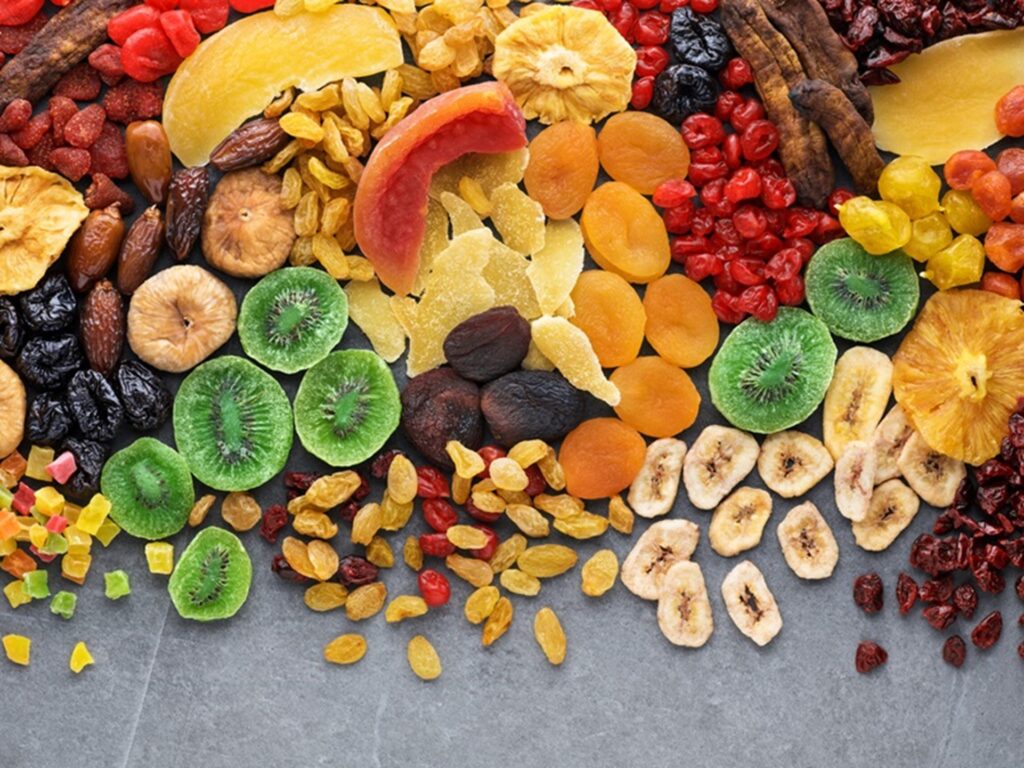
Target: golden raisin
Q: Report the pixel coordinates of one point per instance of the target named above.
(423, 659)
(476, 572)
(528, 520)
(324, 559)
(546, 560)
(508, 475)
(480, 604)
(366, 523)
(412, 553)
(620, 516)
(200, 509)
(366, 601)
(583, 525)
(325, 596)
(497, 622)
(241, 511)
(467, 537)
(405, 607)
(550, 636)
(599, 573)
(507, 552)
(402, 480)
(379, 552)
(346, 649)
(296, 554)
(519, 583)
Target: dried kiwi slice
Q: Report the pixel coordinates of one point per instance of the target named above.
(292, 318)
(233, 424)
(347, 407)
(149, 487)
(211, 580)
(768, 377)
(859, 296)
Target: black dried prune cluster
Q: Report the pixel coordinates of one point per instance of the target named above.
(147, 402)
(50, 306)
(94, 406)
(701, 48)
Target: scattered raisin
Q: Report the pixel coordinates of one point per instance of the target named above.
(280, 566)
(939, 616)
(275, 518)
(965, 598)
(867, 592)
(382, 462)
(954, 651)
(870, 655)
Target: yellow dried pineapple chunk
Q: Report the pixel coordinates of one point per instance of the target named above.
(518, 218)
(464, 219)
(555, 268)
(490, 171)
(370, 309)
(506, 273)
(569, 349)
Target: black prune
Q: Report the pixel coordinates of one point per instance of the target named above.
(94, 406)
(683, 89)
(48, 420)
(439, 406)
(48, 362)
(51, 305)
(11, 330)
(698, 39)
(528, 405)
(485, 346)
(147, 402)
(89, 459)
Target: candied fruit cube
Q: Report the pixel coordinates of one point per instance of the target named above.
(16, 594)
(8, 525)
(38, 459)
(55, 544)
(75, 567)
(80, 658)
(108, 532)
(18, 649)
(93, 514)
(160, 557)
(63, 604)
(6, 498)
(24, 499)
(49, 501)
(57, 524)
(37, 584)
(79, 542)
(7, 546)
(63, 467)
(18, 563)
(37, 535)
(12, 469)
(116, 584)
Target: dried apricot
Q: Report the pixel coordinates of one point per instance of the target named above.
(992, 194)
(642, 150)
(601, 457)
(624, 233)
(563, 168)
(609, 311)
(681, 325)
(658, 399)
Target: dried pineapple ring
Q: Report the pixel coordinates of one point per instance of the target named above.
(565, 63)
(39, 212)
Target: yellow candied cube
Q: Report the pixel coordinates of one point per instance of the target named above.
(160, 557)
(93, 514)
(16, 594)
(71, 511)
(37, 535)
(80, 658)
(108, 532)
(79, 542)
(7, 546)
(49, 501)
(38, 459)
(75, 567)
(18, 648)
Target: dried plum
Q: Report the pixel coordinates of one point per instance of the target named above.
(439, 406)
(147, 402)
(485, 346)
(683, 89)
(527, 405)
(48, 362)
(48, 420)
(698, 39)
(94, 405)
(11, 329)
(89, 459)
(50, 306)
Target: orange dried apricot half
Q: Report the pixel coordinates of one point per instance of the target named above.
(642, 150)
(681, 326)
(658, 399)
(624, 233)
(601, 457)
(609, 311)
(563, 168)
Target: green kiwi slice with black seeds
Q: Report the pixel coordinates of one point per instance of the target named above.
(211, 580)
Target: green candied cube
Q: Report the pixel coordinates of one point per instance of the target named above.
(63, 604)
(116, 584)
(37, 585)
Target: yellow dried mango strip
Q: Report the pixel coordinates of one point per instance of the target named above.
(554, 269)
(370, 309)
(569, 349)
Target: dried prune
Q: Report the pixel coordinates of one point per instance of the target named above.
(48, 362)
(527, 405)
(870, 655)
(94, 405)
(698, 39)
(988, 630)
(487, 345)
(11, 329)
(50, 306)
(954, 651)
(146, 401)
(867, 592)
(47, 420)
(354, 571)
(89, 459)
(439, 406)
(682, 90)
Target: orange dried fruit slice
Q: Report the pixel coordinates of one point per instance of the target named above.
(601, 457)
(681, 325)
(624, 233)
(658, 399)
(563, 168)
(642, 150)
(610, 312)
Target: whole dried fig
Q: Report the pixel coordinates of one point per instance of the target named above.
(485, 346)
(438, 406)
(527, 405)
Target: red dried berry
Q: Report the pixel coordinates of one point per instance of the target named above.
(746, 113)
(759, 140)
(432, 484)
(939, 616)
(535, 482)
(954, 651)
(479, 515)
(107, 61)
(103, 192)
(760, 301)
(673, 192)
(149, 55)
(679, 219)
(732, 152)
(642, 92)
(965, 598)
(439, 514)
(299, 481)
(14, 38)
(937, 590)
(725, 309)
(163, 5)
(131, 101)
(777, 193)
(33, 132)
(71, 162)
(354, 571)
(40, 153)
(108, 153)
(275, 518)
(1019, 587)
(1020, 650)
(434, 587)
(745, 184)
(130, 21)
(987, 632)
(251, 6)
(651, 60)
(487, 551)
(382, 462)
(81, 83)
(867, 592)
(17, 12)
(726, 103)
(701, 130)
(347, 512)
(869, 656)
(280, 566)
(61, 109)
(209, 16)
(84, 128)
(10, 153)
(15, 116)
(489, 453)
(436, 545)
(736, 74)
(651, 28)
(180, 30)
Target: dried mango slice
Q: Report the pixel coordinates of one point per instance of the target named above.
(463, 217)
(490, 171)
(535, 360)
(435, 240)
(569, 349)
(370, 309)
(506, 273)
(518, 218)
(39, 212)
(555, 268)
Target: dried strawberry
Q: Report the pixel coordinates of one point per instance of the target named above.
(10, 153)
(107, 61)
(40, 153)
(84, 128)
(71, 162)
(180, 30)
(251, 6)
(34, 132)
(62, 109)
(149, 55)
(163, 5)
(132, 101)
(130, 21)
(208, 15)
(108, 153)
(14, 38)
(103, 193)
(15, 116)
(81, 83)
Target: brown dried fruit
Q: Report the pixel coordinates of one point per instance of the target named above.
(437, 407)
(186, 205)
(485, 346)
(241, 511)
(423, 659)
(481, 603)
(94, 248)
(550, 636)
(366, 601)
(252, 144)
(149, 159)
(326, 596)
(102, 327)
(346, 649)
(498, 622)
(200, 509)
(526, 405)
(139, 250)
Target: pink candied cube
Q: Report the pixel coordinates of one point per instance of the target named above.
(42, 555)
(24, 498)
(57, 524)
(62, 467)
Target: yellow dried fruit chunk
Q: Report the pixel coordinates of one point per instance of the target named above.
(405, 607)
(547, 560)
(326, 596)
(480, 604)
(309, 522)
(331, 490)
(519, 583)
(402, 480)
(490, 171)
(423, 659)
(526, 453)
(394, 516)
(201, 509)
(599, 573)
(468, 463)
(569, 349)
(476, 572)
(560, 506)
(515, 497)
(488, 502)
(584, 525)
(296, 554)
(528, 520)
(518, 218)
(366, 601)
(370, 309)
(620, 516)
(324, 559)
(412, 553)
(507, 552)
(498, 622)
(550, 636)
(461, 214)
(554, 269)
(460, 488)
(508, 475)
(378, 552)
(506, 273)
(535, 360)
(366, 523)
(241, 511)
(471, 191)
(346, 649)
(467, 537)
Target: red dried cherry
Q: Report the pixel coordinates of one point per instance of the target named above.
(642, 93)
(777, 193)
(726, 309)
(736, 74)
(432, 484)
(726, 103)
(704, 6)
(701, 130)
(651, 60)
(489, 453)
(759, 139)
(209, 16)
(839, 196)
(700, 265)
(732, 151)
(673, 192)
(487, 551)
(745, 184)
(679, 218)
(749, 221)
(251, 6)
(869, 656)
(439, 514)
(434, 587)
(535, 482)
(746, 113)
(478, 514)
(624, 20)
(651, 28)
(760, 301)
(436, 545)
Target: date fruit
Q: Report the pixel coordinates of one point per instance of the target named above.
(149, 159)
(252, 144)
(488, 345)
(139, 250)
(439, 406)
(102, 327)
(527, 405)
(94, 247)
(186, 204)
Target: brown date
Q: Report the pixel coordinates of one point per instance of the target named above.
(103, 327)
(139, 250)
(252, 144)
(94, 247)
(149, 159)
(186, 204)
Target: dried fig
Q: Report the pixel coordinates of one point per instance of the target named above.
(438, 406)
(485, 346)
(527, 405)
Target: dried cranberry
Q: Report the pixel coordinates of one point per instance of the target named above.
(434, 587)
(280, 566)
(702, 130)
(939, 616)
(275, 518)
(536, 483)
(354, 571)
(726, 103)
(382, 463)
(867, 592)
(1020, 650)
(954, 651)
(432, 484)
(439, 514)
(987, 631)
(436, 545)
(299, 481)
(759, 139)
(347, 512)
(870, 655)
(906, 592)
(937, 590)
(965, 598)
(624, 20)
(701, 173)
(989, 579)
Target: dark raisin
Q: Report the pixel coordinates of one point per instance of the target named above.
(11, 329)
(906, 592)
(275, 518)
(299, 481)
(280, 566)
(528, 405)
(683, 89)
(363, 490)
(48, 363)
(347, 511)
(147, 402)
(47, 420)
(354, 571)
(867, 592)
(698, 39)
(987, 631)
(382, 462)
(965, 598)
(870, 655)
(50, 306)
(485, 346)
(954, 651)
(439, 406)
(94, 406)
(89, 459)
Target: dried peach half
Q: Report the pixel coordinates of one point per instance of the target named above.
(601, 457)
(681, 326)
(624, 233)
(657, 398)
(563, 168)
(609, 311)
(642, 150)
